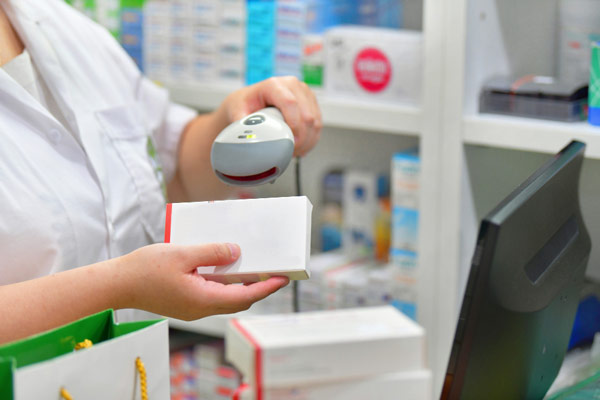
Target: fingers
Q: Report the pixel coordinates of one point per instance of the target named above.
(310, 115)
(233, 298)
(299, 107)
(206, 255)
(293, 98)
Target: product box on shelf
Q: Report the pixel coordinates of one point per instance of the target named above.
(405, 227)
(360, 204)
(195, 40)
(275, 351)
(406, 168)
(374, 63)
(132, 32)
(313, 297)
(413, 385)
(313, 59)
(273, 234)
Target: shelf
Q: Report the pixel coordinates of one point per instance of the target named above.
(529, 134)
(339, 113)
(213, 326)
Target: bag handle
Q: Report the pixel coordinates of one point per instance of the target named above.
(139, 365)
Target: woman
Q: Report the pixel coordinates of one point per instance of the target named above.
(88, 144)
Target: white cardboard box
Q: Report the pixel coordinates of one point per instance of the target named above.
(316, 347)
(412, 385)
(273, 234)
(375, 63)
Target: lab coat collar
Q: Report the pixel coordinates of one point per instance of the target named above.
(10, 90)
(27, 21)
(29, 24)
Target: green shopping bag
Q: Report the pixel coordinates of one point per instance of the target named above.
(125, 361)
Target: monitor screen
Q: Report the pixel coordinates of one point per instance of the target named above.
(523, 288)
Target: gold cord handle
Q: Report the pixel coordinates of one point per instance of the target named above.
(143, 384)
(141, 368)
(65, 395)
(84, 345)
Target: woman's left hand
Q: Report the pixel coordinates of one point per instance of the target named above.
(292, 97)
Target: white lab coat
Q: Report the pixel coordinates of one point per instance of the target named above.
(76, 195)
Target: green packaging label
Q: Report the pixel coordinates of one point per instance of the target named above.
(313, 75)
(594, 88)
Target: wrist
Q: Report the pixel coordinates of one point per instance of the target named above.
(121, 288)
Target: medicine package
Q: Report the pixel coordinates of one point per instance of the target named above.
(273, 234)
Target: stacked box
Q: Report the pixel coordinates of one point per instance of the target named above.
(195, 40)
(338, 281)
(200, 371)
(360, 205)
(232, 42)
(261, 40)
(275, 37)
(405, 224)
(313, 59)
(216, 380)
(279, 302)
(390, 14)
(132, 29)
(406, 385)
(290, 22)
(330, 354)
(183, 375)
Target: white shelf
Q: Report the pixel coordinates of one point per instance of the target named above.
(202, 97)
(382, 117)
(529, 134)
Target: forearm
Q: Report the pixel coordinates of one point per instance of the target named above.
(194, 178)
(37, 305)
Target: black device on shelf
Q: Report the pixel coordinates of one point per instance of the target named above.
(523, 288)
(535, 97)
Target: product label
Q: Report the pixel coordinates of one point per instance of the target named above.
(594, 88)
(372, 70)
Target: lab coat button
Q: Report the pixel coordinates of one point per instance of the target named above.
(54, 136)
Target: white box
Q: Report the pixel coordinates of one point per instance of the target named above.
(273, 234)
(382, 64)
(405, 229)
(316, 347)
(359, 208)
(413, 385)
(406, 167)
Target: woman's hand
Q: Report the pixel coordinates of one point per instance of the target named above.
(162, 278)
(292, 97)
(194, 178)
(159, 278)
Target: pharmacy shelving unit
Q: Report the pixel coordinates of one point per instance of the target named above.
(483, 38)
(444, 123)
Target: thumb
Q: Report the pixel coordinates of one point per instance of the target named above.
(211, 254)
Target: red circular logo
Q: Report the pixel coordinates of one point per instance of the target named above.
(372, 70)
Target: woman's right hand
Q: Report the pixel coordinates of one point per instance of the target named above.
(162, 279)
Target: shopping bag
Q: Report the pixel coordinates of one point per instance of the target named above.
(122, 361)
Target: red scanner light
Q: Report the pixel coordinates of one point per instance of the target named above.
(256, 177)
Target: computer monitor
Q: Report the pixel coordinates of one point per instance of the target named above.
(523, 288)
